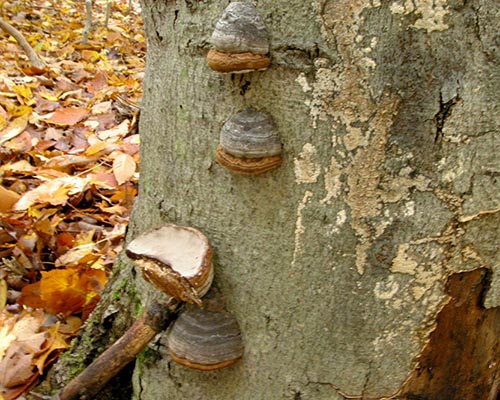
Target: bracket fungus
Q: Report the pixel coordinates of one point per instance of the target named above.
(240, 40)
(176, 259)
(206, 338)
(249, 143)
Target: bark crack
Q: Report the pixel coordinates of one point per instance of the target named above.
(445, 110)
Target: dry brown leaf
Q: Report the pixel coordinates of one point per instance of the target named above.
(123, 167)
(6, 336)
(115, 132)
(97, 83)
(75, 255)
(16, 367)
(55, 342)
(67, 116)
(55, 192)
(7, 199)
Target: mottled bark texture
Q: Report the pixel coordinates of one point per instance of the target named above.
(335, 264)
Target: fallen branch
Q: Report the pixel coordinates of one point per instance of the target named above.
(33, 58)
(93, 378)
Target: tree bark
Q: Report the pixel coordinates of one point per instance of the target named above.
(336, 263)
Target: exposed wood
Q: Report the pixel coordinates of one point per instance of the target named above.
(462, 359)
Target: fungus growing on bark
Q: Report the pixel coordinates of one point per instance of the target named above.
(205, 338)
(176, 259)
(240, 40)
(249, 143)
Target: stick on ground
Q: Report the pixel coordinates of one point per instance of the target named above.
(33, 57)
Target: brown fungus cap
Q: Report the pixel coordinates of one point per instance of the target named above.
(236, 62)
(176, 259)
(246, 166)
(205, 339)
(240, 40)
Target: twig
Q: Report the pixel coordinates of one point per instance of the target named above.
(93, 378)
(33, 58)
(88, 21)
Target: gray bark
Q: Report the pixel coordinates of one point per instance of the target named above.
(335, 263)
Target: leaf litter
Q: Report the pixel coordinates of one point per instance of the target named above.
(68, 175)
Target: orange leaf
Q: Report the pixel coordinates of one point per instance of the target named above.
(7, 199)
(66, 291)
(61, 292)
(30, 296)
(123, 167)
(34, 70)
(67, 116)
(90, 55)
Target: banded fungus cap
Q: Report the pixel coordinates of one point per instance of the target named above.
(250, 134)
(249, 143)
(240, 40)
(206, 338)
(176, 259)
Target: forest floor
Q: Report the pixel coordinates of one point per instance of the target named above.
(68, 175)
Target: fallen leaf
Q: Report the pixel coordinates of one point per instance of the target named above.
(123, 167)
(16, 367)
(6, 338)
(7, 199)
(55, 192)
(3, 294)
(55, 343)
(101, 108)
(65, 291)
(15, 128)
(97, 83)
(75, 255)
(67, 116)
(115, 132)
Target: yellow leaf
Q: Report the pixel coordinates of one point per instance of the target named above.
(90, 55)
(123, 167)
(3, 294)
(84, 238)
(14, 129)
(23, 91)
(49, 96)
(96, 148)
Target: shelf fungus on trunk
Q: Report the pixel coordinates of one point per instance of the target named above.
(176, 259)
(205, 338)
(240, 40)
(249, 143)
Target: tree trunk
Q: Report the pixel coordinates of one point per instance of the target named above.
(384, 213)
